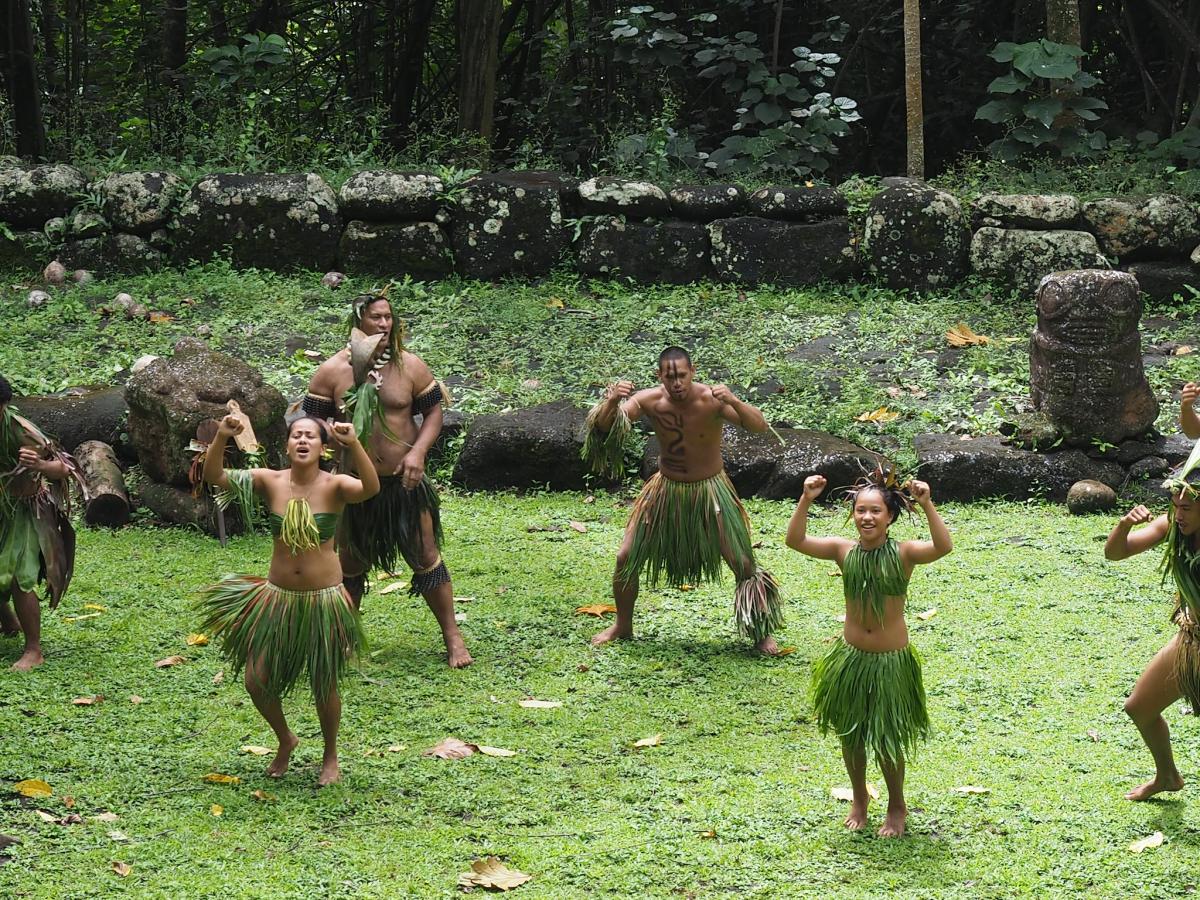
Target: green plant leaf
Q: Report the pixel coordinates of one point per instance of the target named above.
(1043, 109)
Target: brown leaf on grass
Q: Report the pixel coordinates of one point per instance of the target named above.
(122, 869)
(159, 318)
(1151, 840)
(847, 794)
(928, 614)
(33, 788)
(119, 836)
(450, 748)
(169, 661)
(880, 415)
(88, 701)
(219, 778)
(972, 789)
(577, 526)
(397, 748)
(219, 677)
(256, 749)
(589, 499)
(69, 801)
(962, 336)
(531, 703)
(95, 606)
(1183, 350)
(708, 835)
(595, 609)
(70, 819)
(653, 741)
(555, 303)
(105, 817)
(262, 796)
(786, 651)
(491, 873)
(197, 640)
(135, 699)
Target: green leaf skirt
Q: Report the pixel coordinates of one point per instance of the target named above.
(20, 551)
(386, 528)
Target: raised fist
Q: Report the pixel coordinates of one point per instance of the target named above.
(618, 390)
(813, 486)
(1136, 516)
(344, 433)
(722, 394)
(230, 425)
(919, 490)
(1191, 391)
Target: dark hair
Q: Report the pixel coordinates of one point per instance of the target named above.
(889, 486)
(358, 308)
(5, 390)
(322, 428)
(674, 353)
(895, 502)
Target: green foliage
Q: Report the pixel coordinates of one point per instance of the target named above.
(257, 54)
(1041, 102)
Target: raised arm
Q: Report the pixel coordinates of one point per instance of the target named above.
(1188, 420)
(1122, 545)
(834, 548)
(921, 552)
(214, 458)
(366, 485)
(737, 411)
(617, 396)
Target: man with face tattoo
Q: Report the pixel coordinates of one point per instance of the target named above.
(687, 519)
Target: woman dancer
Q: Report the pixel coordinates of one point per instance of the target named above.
(868, 689)
(299, 620)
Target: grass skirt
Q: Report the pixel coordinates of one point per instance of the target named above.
(290, 633)
(20, 552)
(1187, 659)
(387, 527)
(680, 527)
(876, 700)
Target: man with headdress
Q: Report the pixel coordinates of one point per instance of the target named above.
(688, 520)
(382, 387)
(37, 543)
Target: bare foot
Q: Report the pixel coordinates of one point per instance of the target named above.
(457, 654)
(612, 633)
(857, 820)
(767, 646)
(893, 823)
(330, 773)
(30, 659)
(1155, 785)
(279, 765)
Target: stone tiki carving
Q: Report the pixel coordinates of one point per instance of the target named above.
(1085, 357)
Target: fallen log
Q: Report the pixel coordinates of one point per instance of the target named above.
(108, 499)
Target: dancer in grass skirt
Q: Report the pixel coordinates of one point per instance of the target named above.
(868, 689)
(299, 621)
(687, 521)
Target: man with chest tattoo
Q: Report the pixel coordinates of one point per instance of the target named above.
(688, 518)
(382, 395)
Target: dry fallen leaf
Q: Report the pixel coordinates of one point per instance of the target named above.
(122, 869)
(962, 336)
(72, 819)
(119, 836)
(1184, 350)
(1093, 734)
(95, 606)
(135, 699)
(880, 415)
(106, 817)
(786, 651)
(1153, 840)
(256, 750)
(652, 741)
(69, 801)
(577, 526)
(450, 748)
(80, 618)
(530, 703)
(262, 796)
(393, 587)
(972, 789)
(494, 751)
(555, 303)
(708, 835)
(169, 661)
(847, 794)
(397, 748)
(927, 615)
(159, 317)
(216, 809)
(218, 778)
(33, 788)
(197, 640)
(219, 677)
(596, 609)
(88, 701)
(45, 816)
(491, 873)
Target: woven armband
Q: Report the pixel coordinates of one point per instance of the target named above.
(429, 399)
(318, 407)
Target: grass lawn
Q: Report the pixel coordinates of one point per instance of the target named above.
(1035, 642)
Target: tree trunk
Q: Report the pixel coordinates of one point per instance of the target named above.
(478, 26)
(912, 89)
(218, 23)
(174, 34)
(108, 500)
(51, 26)
(412, 65)
(1062, 22)
(21, 80)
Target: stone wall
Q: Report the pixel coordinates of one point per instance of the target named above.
(503, 224)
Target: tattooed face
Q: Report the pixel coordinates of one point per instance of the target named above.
(676, 375)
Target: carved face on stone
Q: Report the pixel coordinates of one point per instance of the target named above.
(1089, 308)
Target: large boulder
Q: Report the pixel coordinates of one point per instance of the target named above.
(111, 253)
(616, 197)
(140, 202)
(1154, 227)
(1164, 280)
(967, 469)
(382, 196)
(396, 249)
(29, 197)
(1039, 212)
(24, 250)
(669, 252)
(89, 413)
(755, 250)
(509, 223)
(916, 237)
(266, 221)
(537, 447)
(171, 396)
(1021, 258)
(1085, 357)
(705, 203)
(759, 465)
(797, 204)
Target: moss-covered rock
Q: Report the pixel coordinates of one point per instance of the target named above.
(384, 196)
(31, 196)
(915, 237)
(140, 202)
(1153, 227)
(708, 202)
(509, 223)
(1044, 212)
(797, 204)
(1021, 258)
(617, 197)
(753, 250)
(395, 249)
(663, 252)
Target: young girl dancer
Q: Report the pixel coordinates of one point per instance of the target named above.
(868, 689)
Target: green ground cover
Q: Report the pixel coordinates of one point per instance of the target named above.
(1033, 646)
